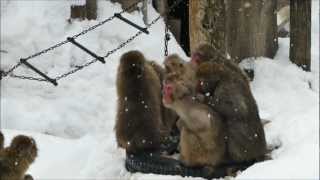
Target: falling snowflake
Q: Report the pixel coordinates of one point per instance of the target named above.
(247, 4)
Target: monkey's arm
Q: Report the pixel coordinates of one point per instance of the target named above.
(194, 115)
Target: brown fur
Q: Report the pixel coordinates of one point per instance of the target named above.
(201, 140)
(182, 70)
(205, 52)
(230, 96)
(16, 159)
(169, 117)
(140, 114)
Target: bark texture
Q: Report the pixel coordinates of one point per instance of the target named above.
(300, 33)
(251, 28)
(207, 23)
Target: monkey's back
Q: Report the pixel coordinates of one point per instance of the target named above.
(246, 137)
(139, 99)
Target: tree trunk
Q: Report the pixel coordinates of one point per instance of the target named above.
(82, 9)
(300, 33)
(78, 9)
(207, 23)
(91, 8)
(251, 28)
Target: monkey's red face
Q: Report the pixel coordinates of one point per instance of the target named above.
(167, 93)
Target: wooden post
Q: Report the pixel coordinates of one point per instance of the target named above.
(78, 9)
(300, 33)
(207, 23)
(91, 8)
(251, 28)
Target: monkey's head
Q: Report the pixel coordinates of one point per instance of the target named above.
(132, 62)
(174, 63)
(208, 75)
(1, 140)
(203, 53)
(174, 89)
(25, 147)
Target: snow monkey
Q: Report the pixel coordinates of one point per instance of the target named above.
(230, 96)
(141, 120)
(182, 69)
(202, 133)
(16, 159)
(205, 52)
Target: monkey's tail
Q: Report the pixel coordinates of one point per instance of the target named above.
(154, 163)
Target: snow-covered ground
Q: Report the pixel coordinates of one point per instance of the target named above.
(73, 122)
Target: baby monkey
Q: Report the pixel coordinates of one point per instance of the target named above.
(202, 139)
(16, 159)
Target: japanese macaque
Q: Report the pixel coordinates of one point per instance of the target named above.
(205, 52)
(141, 119)
(202, 132)
(16, 159)
(182, 70)
(230, 96)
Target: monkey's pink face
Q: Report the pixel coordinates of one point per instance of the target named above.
(167, 93)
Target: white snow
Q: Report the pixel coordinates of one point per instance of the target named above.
(73, 122)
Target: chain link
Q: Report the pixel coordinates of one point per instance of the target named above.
(27, 78)
(78, 68)
(166, 30)
(108, 53)
(166, 40)
(6, 73)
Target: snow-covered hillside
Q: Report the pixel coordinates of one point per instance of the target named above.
(73, 122)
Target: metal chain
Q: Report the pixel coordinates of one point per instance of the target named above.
(6, 73)
(166, 30)
(166, 39)
(108, 53)
(78, 68)
(28, 78)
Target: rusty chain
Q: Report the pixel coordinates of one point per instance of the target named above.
(78, 68)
